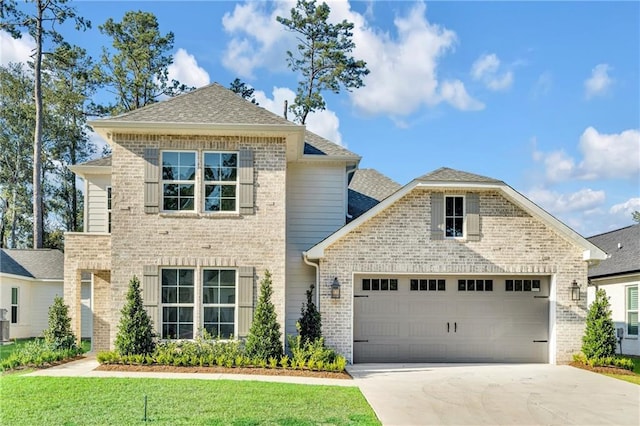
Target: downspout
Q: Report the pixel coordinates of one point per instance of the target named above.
(317, 284)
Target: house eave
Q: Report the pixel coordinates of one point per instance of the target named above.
(82, 170)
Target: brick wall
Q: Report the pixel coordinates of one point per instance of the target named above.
(398, 241)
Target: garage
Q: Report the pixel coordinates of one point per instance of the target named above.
(451, 318)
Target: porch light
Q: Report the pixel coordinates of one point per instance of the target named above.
(335, 289)
(575, 291)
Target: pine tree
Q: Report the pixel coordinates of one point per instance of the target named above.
(59, 333)
(599, 339)
(310, 323)
(263, 340)
(135, 331)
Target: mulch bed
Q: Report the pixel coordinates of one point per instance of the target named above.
(224, 370)
(606, 370)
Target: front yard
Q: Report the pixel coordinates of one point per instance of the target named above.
(76, 401)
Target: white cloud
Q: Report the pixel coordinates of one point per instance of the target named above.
(555, 202)
(604, 156)
(403, 66)
(15, 50)
(543, 85)
(324, 123)
(627, 208)
(186, 70)
(599, 82)
(485, 69)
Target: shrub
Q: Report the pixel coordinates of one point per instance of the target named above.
(310, 323)
(599, 340)
(135, 331)
(37, 353)
(263, 340)
(59, 334)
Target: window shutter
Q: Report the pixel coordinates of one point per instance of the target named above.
(245, 299)
(245, 176)
(151, 181)
(473, 216)
(437, 216)
(150, 292)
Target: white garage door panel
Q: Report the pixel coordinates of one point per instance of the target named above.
(451, 325)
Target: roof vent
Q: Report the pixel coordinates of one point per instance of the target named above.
(619, 246)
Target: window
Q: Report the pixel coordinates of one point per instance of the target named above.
(178, 180)
(14, 305)
(379, 284)
(220, 181)
(108, 209)
(522, 285)
(454, 216)
(428, 285)
(191, 302)
(219, 301)
(475, 285)
(632, 311)
(177, 303)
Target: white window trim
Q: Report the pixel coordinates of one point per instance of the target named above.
(196, 201)
(16, 305)
(198, 304)
(464, 216)
(213, 182)
(627, 311)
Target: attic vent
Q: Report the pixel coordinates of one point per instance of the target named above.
(619, 246)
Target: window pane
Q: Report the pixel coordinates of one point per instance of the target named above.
(228, 205)
(518, 285)
(508, 285)
(226, 331)
(185, 294)
(450, 227)
(479, 285)
(462, 285)
(212, 160)
(170, 190)
(228, 278)
(212, 329)
(14, 315)
(169, 295)
(488, 285)
(227, 174)
(169, 331)
(226, 315)
(229, 160)
(186, 203)
(458, 210)
(227, 295)
(527, 285)
(187, 159)
(185, 331)
(458, 227)
(632, 323)
(210, 315)
(535, 285)
(212, 204)
(169, 314)
(449, 207)
(186, 277)
(366, 284)
(212, 191)
(393, 285)
(375, 284)
(14, 295)
(471, 285)
(169, 277)
(186, 191)
(424, 285)
(185, 314)
(209, 295)
(414, 285)
(228, 191)
(442, 285)
(432, 285)
(170, 204)
(384, 285)
(210, 277)
(632, 298)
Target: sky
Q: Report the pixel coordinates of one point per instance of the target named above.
(542, 95)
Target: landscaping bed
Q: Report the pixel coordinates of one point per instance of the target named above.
(603, 369)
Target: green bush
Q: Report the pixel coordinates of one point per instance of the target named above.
(314, 355)
(37, 353)
(263, 340)
(310, 323)
(135, 330)
(599, 340)
(610, 361)
(59, 334)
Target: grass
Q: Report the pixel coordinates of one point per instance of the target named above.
(636, 369)
(104, 401)
(6, 350)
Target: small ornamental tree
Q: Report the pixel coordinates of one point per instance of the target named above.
(263, 340)
(59, 334)
(310, 323)
(599, 339)
(135, 331)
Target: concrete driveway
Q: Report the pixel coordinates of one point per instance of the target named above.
(496, 394)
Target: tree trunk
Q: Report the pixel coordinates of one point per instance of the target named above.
(38, 218)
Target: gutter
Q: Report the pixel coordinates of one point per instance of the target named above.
(317, 285)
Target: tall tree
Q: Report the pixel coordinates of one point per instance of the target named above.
(323, 57)
(599, 340)
(17, 112)
(136, 73)
(41, 25)
(241, 88)
(69, 87)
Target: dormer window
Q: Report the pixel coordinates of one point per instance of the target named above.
(454, 216)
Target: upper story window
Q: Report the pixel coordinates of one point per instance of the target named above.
(220, 181)
(108, 209)
(14, 305)
(178, 180)
(632, 311)
(454, 216)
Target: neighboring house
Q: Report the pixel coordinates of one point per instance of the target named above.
(29, 281)
(619, 276)
(206, 191)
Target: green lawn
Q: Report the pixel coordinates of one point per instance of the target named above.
(636, 369)
(6, 350)
(101, 401)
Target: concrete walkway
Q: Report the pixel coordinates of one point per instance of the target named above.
(86, 368)
(496, 394)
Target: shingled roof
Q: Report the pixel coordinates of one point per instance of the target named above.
(367, 188)
(47, 264)
(445, 174)
(623, 247)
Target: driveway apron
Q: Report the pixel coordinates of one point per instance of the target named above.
(495, 394)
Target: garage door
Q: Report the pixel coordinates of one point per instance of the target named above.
(451, 319)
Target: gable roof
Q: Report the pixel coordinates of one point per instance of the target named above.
(445, 178)
(623, 247)
(46, 264)
(367, 188)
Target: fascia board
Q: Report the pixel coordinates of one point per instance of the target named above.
(82, 171)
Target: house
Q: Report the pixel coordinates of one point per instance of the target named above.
(206, 191)
(619, 276)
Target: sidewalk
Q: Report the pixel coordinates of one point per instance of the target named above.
(86, 367)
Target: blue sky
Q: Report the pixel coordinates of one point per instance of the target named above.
(542, 95)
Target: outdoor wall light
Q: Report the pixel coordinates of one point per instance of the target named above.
(335, 289)
(575, 291)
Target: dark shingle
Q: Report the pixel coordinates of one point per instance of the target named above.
(98, 162)
(445, 174)
(623, 247)
(367, 188)
(39, 263)
(317, 145)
